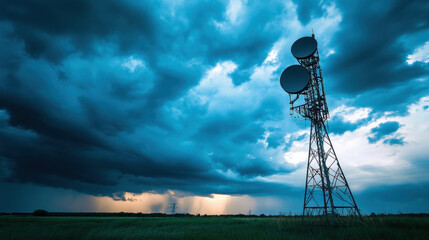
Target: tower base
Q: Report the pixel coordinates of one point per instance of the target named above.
(327, 192)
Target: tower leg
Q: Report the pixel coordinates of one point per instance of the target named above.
(340, 187)
(327, 191)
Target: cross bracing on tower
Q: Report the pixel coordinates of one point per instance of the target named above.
(326, 189)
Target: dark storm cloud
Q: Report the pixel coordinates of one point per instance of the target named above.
(74, 117)
(308, 9)
(240, 76)
(402, 198)
(405, 193)
(238, 127)
(383, 130)
(394, 141)
(32, 158)
(275, 139)
(55, 29)
(293, 138)
(393, 99)
(337, 125)
(173, 79)
(370, 54)
(249, 43)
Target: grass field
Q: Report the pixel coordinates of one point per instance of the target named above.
(379, 227)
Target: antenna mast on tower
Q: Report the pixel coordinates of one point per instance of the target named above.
(326, 189)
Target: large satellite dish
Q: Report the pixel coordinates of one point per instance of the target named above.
(295, 79)
(304, 47)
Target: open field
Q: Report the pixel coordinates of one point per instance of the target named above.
(378, 227)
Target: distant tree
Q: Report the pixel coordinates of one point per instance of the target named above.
(40, 212)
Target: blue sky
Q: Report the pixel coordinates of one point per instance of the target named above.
(130, 106)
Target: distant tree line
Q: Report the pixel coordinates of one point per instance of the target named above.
(42, 213)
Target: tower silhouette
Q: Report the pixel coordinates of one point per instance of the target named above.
(326, 189)
(173, 208)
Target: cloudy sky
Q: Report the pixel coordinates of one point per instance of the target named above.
(133, 105)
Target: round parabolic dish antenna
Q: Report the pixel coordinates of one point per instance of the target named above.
(304, 47)
(295, 79)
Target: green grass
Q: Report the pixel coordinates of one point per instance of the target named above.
(379, 227)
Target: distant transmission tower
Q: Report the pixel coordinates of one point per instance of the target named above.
(173, 208)
(326, 189)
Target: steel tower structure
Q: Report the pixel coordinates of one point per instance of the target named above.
(326, 189)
